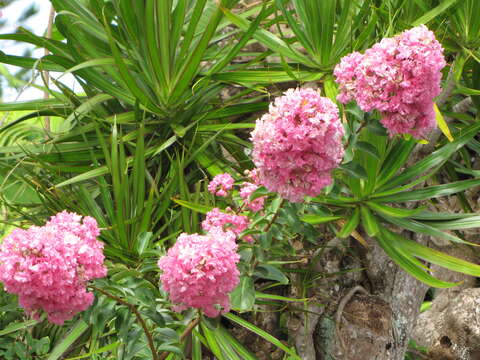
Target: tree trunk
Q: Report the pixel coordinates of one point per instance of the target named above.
(367, 314)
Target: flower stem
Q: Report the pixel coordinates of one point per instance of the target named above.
(132, 307)
(269, 225)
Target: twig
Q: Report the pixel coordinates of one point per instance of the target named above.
(463, 106)
(341, 306)
(269, 225)
(185, 333)
(132, 307)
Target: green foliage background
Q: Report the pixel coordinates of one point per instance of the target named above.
(170, 91)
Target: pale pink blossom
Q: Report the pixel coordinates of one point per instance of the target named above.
(221, 184)
(48, 267)
(297, 144)
(246, 191)
(399, 77)
(200, 271)
(227, 222)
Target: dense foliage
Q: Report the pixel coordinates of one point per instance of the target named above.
(170, 91)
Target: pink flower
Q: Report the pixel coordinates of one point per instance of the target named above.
(248, 189)
(49, 266)
(200, 271)
(399, 77)
(226, 222)
(221, 184)
(297, 144)
(253, 175)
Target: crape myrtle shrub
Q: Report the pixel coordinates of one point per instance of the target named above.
(153, 183)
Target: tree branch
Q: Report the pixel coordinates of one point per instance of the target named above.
(132, 307)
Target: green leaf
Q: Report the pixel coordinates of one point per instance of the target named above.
(354, 169)
(392, 211)
(269, 40)
(261, 295)
(435, 159)
(243, 296)
(396, 158)
(350, 225)
(319, 219)
(17, 326)
(441, 216)
(442, 124)
(271, 272)
(168, 335)
(195, 207)
(103, 349)
(238, 320)
(370, 223)
(432, 14)
(73, 335)
(457, 224)
(143, 242)
(435, 256)
(368, 148)
(426, 229)
(407, 262)
(430, 192)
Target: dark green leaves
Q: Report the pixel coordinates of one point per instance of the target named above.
(243, 297)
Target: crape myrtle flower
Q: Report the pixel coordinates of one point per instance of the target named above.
(297, 144)
(399, 77)
(226, 221)
(200, 271)
(221, 184)
(248, 189)
(48, 267)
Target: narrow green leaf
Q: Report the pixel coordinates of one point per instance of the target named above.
(393, 211)
(103, 349)
(319, 219)
(269, 40)
(354, 169)
(432, 14)
(436, 257)
(458, 224)
(435, 159)
(72, 336)
(195, 207)
(350, 225)
(426, 229)
(431, 191)
(407, 262)
(238, 320)
(369, 221)
(17, 326)
(368, 148)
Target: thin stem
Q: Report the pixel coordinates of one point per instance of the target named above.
(185, 333)
(274, 217)
(132, 307)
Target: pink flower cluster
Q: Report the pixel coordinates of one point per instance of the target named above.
(48, 266)
(226, 222)
(248, 189)
(297, 144)
(399, 77)
(200, 271)
(221, 184)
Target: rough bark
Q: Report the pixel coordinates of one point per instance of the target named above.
(374, 323)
